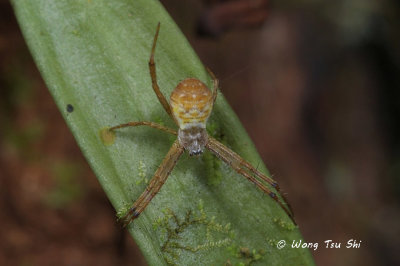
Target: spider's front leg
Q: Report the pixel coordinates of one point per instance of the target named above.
(155, 184)
(246, 169)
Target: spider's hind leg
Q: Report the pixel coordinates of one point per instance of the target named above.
(153, 75)
(215, 85)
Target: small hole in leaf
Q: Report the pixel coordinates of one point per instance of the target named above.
(70, 108)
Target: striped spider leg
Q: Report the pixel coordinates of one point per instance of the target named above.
(190, 106)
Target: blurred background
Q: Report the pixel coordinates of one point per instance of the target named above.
(315, 83)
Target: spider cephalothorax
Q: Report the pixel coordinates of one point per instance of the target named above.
(193, 139)
(190, 106)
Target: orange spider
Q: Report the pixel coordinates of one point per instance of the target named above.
(190, 106)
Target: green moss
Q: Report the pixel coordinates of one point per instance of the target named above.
(175, 229)
(142, 173)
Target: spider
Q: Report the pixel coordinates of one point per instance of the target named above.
(190, 106)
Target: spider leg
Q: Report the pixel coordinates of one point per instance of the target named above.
(145, 123)
(216, 84)
(262, 176)
(269, 180)
(153, 74)
(155, 184)
(245, 169)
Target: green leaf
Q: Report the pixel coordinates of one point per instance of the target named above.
(93, 56)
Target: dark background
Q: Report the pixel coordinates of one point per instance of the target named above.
(315, 83)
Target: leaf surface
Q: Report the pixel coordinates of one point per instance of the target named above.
(93, 56)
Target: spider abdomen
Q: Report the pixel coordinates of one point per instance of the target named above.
(191, 103)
